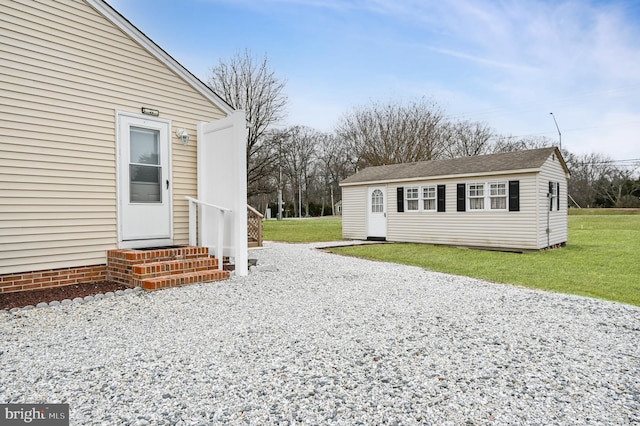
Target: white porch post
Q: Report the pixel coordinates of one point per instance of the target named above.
(193, 241)
(240, 189)
(220, 239)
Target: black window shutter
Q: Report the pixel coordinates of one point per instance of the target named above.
(461, 196)
(441, 200)
(551, 196)
(514, 195)
(558, 198)
(400, 199)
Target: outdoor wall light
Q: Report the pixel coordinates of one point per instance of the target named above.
(183, 135)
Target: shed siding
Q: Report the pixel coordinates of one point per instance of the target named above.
(552, 171)
(354, 212)
(495, 229)
(64, 71)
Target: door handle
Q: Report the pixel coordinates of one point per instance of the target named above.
(167, 183)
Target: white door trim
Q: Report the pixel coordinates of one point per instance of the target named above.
(121, 194)
(377, 221)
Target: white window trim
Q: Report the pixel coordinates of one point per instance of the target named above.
(420, 199)
(505, 196)
(554, 196)
(486, 196)
(423, 198)
(469, 197)
(407, 199)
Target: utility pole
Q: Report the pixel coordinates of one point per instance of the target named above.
(559, 134)
(279, 216)
(300, 197)
(280, 196)
(333, 213)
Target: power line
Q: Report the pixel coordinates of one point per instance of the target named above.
(632, 162)
(575, 129)
(637, 160)
(533, 106)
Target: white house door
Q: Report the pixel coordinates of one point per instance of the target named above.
(144, 187)
(377, 216)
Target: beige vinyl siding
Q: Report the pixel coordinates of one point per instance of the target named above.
(553, 171)
(64, 71)
(354, 212)
(495, 229)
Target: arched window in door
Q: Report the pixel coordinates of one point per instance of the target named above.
(377, 202)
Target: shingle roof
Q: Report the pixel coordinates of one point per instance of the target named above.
(480, 164)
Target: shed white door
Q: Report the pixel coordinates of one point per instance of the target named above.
(377, 213)
(144, 195)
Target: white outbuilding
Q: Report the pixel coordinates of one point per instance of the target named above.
(507, 201)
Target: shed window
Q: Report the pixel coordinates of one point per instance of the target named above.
(412, 198)
(554, 199)
(498, 195)
(476, 196)
(377, 202)
(428, 197)
(488, 196)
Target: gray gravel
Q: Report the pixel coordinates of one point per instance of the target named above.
(313, 338)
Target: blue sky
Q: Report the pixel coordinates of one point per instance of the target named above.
(506, 63)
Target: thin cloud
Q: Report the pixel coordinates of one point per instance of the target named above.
(484, 61)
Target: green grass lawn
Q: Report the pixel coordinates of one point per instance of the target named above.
(602, 258)
(310, 230)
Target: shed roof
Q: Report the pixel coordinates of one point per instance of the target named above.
(479, 165)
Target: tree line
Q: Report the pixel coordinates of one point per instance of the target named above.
(303, 166)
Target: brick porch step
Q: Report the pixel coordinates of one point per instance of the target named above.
(172, 267)
(178, 280)
(163, 267)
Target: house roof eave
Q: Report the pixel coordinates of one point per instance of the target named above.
(132, 31)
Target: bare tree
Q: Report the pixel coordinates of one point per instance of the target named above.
(616, 187)
(588, 176)
(468, 138)
(248, 84)
(391, 133)
(298, 156)
(334, 165)
(504, 143)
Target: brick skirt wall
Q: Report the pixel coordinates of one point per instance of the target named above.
(52, 278)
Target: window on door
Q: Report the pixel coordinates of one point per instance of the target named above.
(145, 170)
(377, 202)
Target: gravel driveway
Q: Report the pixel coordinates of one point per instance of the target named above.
(327, 339)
